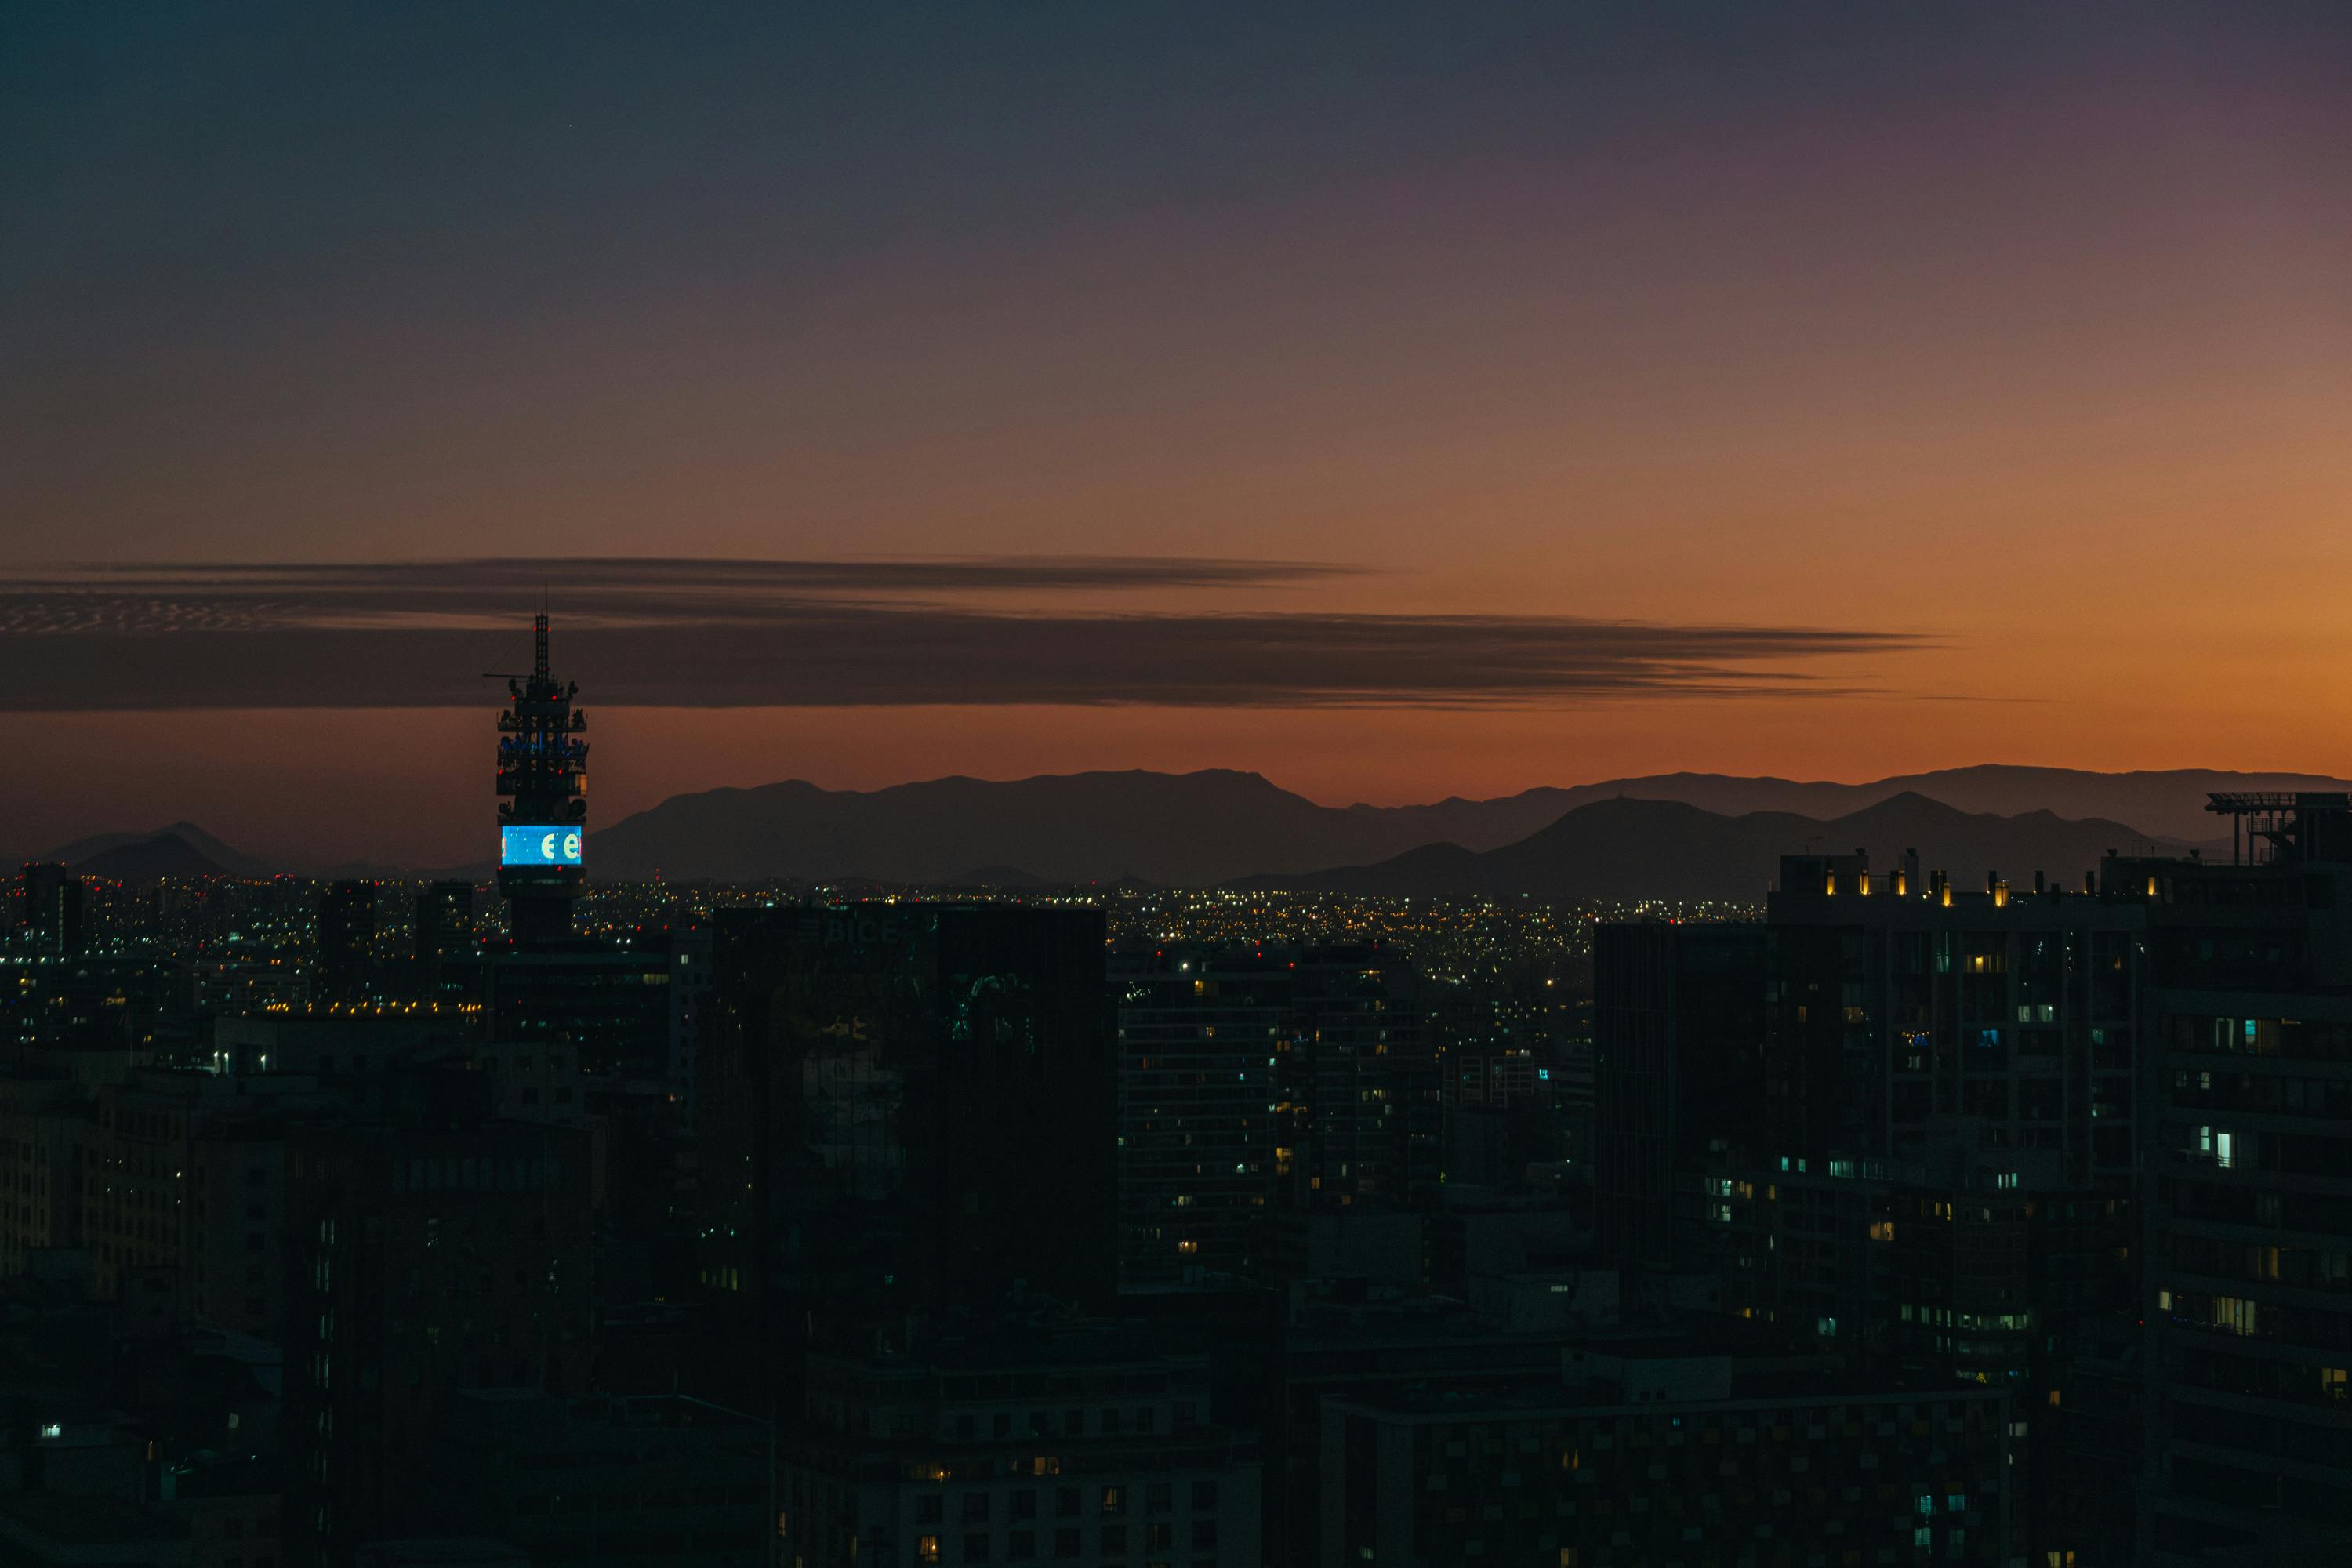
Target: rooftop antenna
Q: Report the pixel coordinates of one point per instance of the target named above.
(539, 645)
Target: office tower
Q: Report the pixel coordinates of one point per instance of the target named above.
(2248, 1218)
(1678, 1071)
(543, 812)
(901, 1106)
(54, 908)
(432, 1248)
(1017, 1444)
(347, 929)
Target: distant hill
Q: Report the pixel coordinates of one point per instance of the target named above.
(182, 843)
(169, 853)
(997, 877)
(1216, 825)
(2168, 803)
(1625, 849)
(1202, 828)
(1190, 829)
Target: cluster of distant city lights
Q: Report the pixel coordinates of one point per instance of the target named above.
(226, 920)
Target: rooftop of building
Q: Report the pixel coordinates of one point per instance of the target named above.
(1777, 1383)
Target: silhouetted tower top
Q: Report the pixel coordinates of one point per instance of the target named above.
(543, 813)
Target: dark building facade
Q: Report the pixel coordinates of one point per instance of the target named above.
(1928, 1168)
(1199, 1031)
(657, 1480)
(2248, 1222)
(1361, 1102)
(1678, 1072)
(55, 907)
(444, 931)
(1041, 1443)
(1647, 1456)
(902, 1106)
(346, 963)
(1891, 1014)
(431, 1249)
(1260, 1087)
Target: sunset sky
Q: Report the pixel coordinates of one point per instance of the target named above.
(1396, 401)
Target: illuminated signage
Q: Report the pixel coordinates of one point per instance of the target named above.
(539, 846)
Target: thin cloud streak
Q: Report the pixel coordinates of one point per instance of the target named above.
(703, 634)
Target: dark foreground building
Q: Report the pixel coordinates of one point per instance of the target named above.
(2248, 1222)
(1678, 1074)
(1260, 1089)
(1023, 1443)
(1653, 1451)
(903, 1106)
(433, 1250)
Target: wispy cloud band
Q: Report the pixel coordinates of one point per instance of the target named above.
(688, 633)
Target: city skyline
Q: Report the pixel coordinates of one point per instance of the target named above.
(2008, 342)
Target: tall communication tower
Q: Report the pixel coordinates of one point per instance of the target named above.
(543, 808)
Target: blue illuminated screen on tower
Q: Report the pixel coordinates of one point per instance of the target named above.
(539, 846)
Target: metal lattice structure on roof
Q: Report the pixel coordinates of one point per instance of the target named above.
(2265, 826)
(2249, 803)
